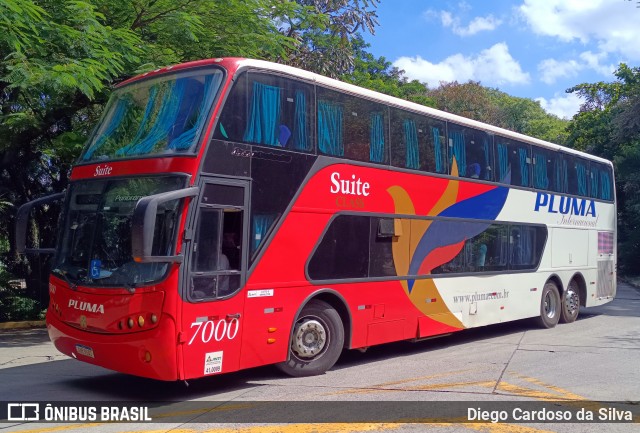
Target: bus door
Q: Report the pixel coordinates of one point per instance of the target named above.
(216, 271)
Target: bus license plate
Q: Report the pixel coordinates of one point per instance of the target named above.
(84, 350)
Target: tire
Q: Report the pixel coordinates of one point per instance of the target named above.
(550, 306)
(570, 303)
(316, 341)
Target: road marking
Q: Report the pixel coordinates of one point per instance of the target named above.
(60, 428)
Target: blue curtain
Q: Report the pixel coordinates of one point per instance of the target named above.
(437, 150)
(376, 137)
(261, 225)
(522, 247)
(562, 181)
(540, 177)
(330, 128)
(264, 115)
(411, 144)
(581, 174)
(164, 121)
(486, 147)
(524, 167)
(595, 184)
(149, 109)
(185, 139)
(118, 112)
(300, 133)
(503, 162)
(605, 182)
(459, 151)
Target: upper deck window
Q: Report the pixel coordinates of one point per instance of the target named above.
(162, 115)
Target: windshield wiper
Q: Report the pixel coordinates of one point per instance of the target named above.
(64, 275)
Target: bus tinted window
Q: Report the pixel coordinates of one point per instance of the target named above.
(513, 162)
(362, 247)
(268, 110)
(381, 239)
(352, 127)
(417, 142)
(344, 250)
(472, 150)
(277, 175)
(600, 181)
(526, 244)
(549, 170)
(162, 115)
(488, 251)
(577, 178)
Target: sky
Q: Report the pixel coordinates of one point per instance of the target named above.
(528, 48)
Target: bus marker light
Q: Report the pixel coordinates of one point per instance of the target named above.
(429, 301)
(120, 325)
(533, 289)
(147, 356)
(130, 322)
(272, 330)
(154, 318)
(502, 308)
(269, 310)
(278, 310)
(140, 321)
(271, 340)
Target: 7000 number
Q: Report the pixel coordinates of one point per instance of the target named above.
(218, 331)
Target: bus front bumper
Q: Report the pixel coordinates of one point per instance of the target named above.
(149, 353)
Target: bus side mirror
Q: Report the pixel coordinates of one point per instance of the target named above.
(22, 222)
(143, 224)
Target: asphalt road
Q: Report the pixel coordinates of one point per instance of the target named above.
(595, 359)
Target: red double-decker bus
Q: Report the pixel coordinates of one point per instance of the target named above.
(232, 213)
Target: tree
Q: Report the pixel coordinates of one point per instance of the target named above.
(608, 126)
(485, 104)
(325, 32)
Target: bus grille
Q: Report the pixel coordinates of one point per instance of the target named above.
(605, 278)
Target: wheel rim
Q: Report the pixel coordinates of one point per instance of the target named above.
(310, 338)
(571, 301)
(550, 305)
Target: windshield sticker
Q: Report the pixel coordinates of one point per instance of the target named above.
(95, 268)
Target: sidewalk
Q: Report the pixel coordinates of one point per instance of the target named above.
(26, 346)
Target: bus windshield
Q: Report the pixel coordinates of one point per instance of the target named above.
(95, 245)
(162, 115)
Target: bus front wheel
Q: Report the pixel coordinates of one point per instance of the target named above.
(316, 341)
(550, 306)
(570, 303)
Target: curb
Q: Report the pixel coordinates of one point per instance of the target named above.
(23, 325)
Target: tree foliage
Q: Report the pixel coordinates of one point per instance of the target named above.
(485, 104)
(608, 125)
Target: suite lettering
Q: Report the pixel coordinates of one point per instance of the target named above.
(565, 205)
(103, 170)
(350, 193)
(351, 186)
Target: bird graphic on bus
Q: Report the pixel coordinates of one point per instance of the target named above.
(435, 242)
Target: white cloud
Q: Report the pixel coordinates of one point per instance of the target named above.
(493, 67)
(551, 69)
(478, 24)
(612, 25)
(563, 106)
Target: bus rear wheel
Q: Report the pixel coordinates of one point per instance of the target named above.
(316, 341)
(570, 303)
(550, 306)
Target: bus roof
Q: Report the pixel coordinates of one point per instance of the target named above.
(233, 64)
